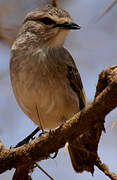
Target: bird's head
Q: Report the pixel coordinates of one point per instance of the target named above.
(49, 24)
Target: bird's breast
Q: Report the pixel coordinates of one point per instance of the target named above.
(44, 93)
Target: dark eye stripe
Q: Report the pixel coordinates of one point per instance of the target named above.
(47, 21)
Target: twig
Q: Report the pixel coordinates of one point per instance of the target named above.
(105, 11)
(7, 38)
(8, 33)
(104, 168)
(9, 28)
(22, 173)
(37, 165)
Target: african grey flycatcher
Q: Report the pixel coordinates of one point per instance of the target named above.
(45, 79)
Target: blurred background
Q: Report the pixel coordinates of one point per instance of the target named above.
(94, 48)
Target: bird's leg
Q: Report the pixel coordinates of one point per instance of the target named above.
(28, 138)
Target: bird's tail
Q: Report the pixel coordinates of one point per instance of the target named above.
(83, 149)
(82, 159)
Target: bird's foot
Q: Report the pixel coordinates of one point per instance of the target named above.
(28, 138)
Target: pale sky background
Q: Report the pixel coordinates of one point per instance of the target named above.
(94, 48)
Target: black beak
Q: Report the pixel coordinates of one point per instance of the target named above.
(69, 25)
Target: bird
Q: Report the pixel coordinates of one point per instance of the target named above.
(44, 77)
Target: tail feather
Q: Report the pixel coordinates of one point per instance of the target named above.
(82, 159)
(83, 149)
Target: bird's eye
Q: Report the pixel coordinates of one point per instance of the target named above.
(47, 21)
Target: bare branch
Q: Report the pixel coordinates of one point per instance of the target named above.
(105, 11)
(104, 168)
(8, 33)
(22, 173)
(50, 177)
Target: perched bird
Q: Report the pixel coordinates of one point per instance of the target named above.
(45, 79)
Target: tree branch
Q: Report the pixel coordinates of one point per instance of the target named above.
(104, 168)
(22, 173)
(81, 122)
(105, 11)
(8, 33)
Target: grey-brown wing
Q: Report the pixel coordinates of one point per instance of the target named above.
(82, 150)
(75, 79)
